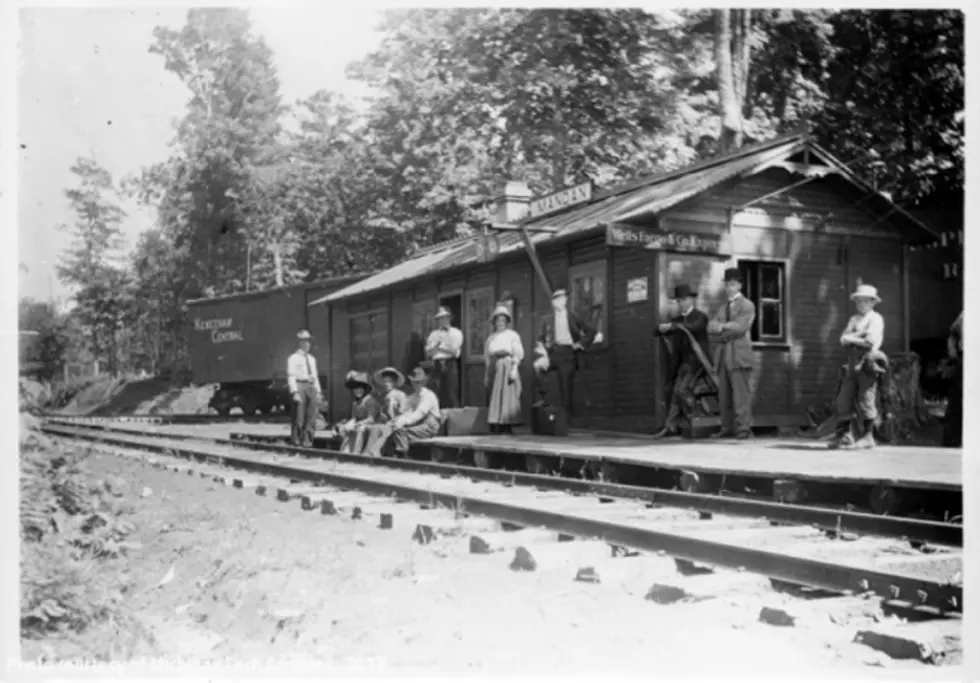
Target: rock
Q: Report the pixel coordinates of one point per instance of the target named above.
(115, 485)
(927, 641)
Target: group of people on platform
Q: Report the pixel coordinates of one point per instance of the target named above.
(389, 424)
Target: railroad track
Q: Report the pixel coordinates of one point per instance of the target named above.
(170, 419)
(807, 548)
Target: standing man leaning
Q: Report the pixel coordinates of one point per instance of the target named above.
(443, 348)
(735, 359)
(304, 386)
(561, 337)
(682, 401)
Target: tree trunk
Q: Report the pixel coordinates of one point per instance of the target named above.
(277, 261)
(732, 56)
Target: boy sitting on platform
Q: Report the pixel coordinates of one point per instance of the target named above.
(365, 410)
(394, 403)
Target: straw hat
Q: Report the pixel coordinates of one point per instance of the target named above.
(501, 309)
(866, 292)
(389, 372)
(443, 312)
(304, 335)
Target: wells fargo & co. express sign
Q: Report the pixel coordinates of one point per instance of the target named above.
(619, 235)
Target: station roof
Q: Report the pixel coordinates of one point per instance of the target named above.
(632, 201)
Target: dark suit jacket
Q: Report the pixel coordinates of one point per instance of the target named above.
(581, 333)
(697, 324)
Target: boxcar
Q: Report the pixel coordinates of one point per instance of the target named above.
(241, 342)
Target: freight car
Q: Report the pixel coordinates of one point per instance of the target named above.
(241, 342)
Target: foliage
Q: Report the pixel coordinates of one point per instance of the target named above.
(46, 349)
(69, 527)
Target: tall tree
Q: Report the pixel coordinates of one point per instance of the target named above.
(231, 125)
(47, 347)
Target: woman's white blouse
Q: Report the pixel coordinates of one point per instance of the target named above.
(505, 342)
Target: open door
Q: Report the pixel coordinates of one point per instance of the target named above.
(454, 302)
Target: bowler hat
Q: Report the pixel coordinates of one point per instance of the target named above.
(443, 312)
(304, 335)
(866, 292)
(733, 275)
(357, 379)
(684, 292)
(559, 292)
(501, 309)
(389, 372)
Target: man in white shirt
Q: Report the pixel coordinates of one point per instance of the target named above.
(304, 387)
(421, 419)
(443, 348)
(858, 397)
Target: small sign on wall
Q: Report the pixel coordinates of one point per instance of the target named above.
(636, 290)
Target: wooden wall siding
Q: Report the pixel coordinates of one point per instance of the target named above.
(339, 359)
(879, 263)
(635, 381)
(403, 344)
(517, 278)
(816, 197)
(935, 300)
(451, 283)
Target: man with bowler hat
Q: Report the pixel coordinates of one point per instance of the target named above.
(685, 362)
(443, 348)
(735, 359)
(304, 388)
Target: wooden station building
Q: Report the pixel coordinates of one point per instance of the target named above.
(800, 225)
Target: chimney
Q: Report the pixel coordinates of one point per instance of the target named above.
(511, 203)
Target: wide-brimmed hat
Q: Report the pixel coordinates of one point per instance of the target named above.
(559, 292)
(866, 292)
(444, 312)
(501, 309)
(733, 275)
(419, 374)
(389, 372)
(304, 335)
(684, 292)
(357, 379)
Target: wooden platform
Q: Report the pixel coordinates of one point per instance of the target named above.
(784, 458)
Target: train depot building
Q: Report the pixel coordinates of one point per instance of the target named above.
(801, 227)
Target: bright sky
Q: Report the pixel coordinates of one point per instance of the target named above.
(88, 86)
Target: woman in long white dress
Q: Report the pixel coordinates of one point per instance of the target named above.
(503, 352)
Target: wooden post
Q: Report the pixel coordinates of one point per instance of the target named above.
(533, 255)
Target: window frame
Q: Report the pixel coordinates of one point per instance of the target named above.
(750, 266)
(490, 292)
(351, 318)
(599, 270)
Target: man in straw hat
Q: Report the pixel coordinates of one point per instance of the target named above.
(394, 403)
(421, 419)
(304, 387)
(857, 401)
(561, 338)
(734, 360)
(443, 348)
(685, 361)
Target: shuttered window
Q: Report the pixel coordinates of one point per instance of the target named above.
(369, 340)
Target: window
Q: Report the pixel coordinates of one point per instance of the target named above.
(369, 341)
(587, 295)
(765, 286)
(479, 306)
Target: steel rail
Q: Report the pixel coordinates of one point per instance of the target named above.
(947, 598)
(927, 531)
(175, 418)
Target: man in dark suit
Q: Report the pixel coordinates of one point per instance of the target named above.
(685, 361)
(561, 338)
(735, 358)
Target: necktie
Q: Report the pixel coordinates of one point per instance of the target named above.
(728, 311)
(309, 370)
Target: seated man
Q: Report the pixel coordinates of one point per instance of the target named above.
(422, 419)
(365, 410)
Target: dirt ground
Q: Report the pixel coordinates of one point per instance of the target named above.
(224, 574)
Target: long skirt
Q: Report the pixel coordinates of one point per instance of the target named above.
(504, 404)
(354, 440)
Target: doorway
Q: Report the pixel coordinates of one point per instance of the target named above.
(454, 302)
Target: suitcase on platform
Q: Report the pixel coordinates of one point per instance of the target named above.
(549, 420)
(464, 421)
